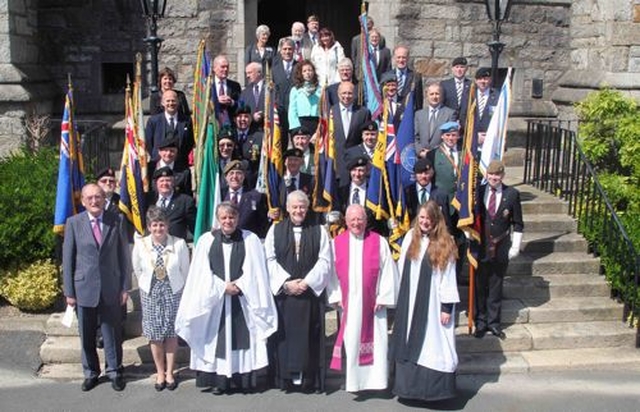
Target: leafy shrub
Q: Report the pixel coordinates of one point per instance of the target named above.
(27, 199)
(34, 287)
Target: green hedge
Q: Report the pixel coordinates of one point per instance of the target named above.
(27, 199)
(609, 133)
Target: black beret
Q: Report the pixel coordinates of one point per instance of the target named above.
(163, 172)
(483, 72)
(234, 165)
(459, 61)
(227, 133)
(422, 165)
(170, 142)
(107, 171)
(295, 152)
(369, 126)
(357, 162)
(301, 131)
(387, 77)
(243, 108)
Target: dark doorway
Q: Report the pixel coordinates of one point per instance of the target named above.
(341, 16)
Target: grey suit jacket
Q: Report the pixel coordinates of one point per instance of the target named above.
(428, 135)
(91, 272)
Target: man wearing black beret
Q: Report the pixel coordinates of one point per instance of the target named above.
(180, 208)
(456, 89)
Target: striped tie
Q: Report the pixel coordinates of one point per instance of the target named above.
(481, 103)
(459, 89)
(401, 80)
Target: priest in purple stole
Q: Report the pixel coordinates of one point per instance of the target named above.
(364, 284)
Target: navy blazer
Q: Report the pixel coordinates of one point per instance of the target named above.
(252, 54)
(253, 211)
(92, 273)
(248, 97)
(508, 215)
(181, 212)
(344, 200)
(359, 116)
(158, 130)
(481, 123)
(412, 200)
(233, 90)
(450, 93)
(411, 77)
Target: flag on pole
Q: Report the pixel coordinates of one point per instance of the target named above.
(205, 114)
(134, 181)
(370, 85)
(70, 169)
(209, 190)
(271, 160)
(464, 197)
(400, 160)
(378, 187)
(496, 136)
(324, 159)
(201, 90)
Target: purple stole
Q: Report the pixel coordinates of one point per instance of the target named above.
(370, 271)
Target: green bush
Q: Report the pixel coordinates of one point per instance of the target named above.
(609, 133)
(27, 201)
(34, 287)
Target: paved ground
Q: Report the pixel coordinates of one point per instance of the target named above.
(22, 390)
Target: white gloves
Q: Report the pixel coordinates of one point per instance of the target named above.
(516, 240)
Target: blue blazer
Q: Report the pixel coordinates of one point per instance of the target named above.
(158, 130)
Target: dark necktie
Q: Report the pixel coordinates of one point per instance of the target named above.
(163, 203)
(234, 198)
(221, 90)
(423, 195)
(492, 203)
(292, 185)
(256, 94)
(459, 89)
(172, 123)
(355, 198)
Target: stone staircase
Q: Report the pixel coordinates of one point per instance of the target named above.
(557, 312)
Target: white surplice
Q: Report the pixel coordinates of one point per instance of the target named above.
(201, 306)
(439, 347)
(375, 376)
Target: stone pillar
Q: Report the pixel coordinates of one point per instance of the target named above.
(23, 86)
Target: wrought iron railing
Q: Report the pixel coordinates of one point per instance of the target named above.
(555, 163)
(97, 143)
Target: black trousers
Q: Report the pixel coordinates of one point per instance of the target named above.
(489, 293)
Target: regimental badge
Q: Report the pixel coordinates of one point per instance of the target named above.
(160, 272)
(505, 213)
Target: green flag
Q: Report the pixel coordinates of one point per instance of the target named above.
(209, 192)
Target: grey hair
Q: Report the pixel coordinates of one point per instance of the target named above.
(263, 28)
(298, 196)
(156, 214)
(345, 62)
(227, 206)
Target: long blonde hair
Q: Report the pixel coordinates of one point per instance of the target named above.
(441, 247)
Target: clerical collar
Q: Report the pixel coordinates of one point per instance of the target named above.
(236, 236)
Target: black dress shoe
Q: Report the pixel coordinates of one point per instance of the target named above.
(217, 391)
(497, 332)
(479, 333)
(160, 386)
(89, 384)
(118, 383)
(172, 385)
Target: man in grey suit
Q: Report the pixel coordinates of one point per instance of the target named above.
(427, 121)
(96, 264)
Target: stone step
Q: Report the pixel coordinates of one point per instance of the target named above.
(528, 264)
(54, 327)
(527, 337)
(597, 334)
(555, 286)
(573, 309)
(549, 223)
(554, 241)
(66, 349)
(550, 286)
(548, 360)
(558, 310)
